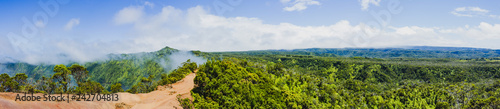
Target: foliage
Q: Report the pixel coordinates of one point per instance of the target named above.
(179, 73)
(89, 87)
(8, 84)
(116, 88)
(185, 103)
(80, 73)
(61, 76)
(420, 77)
(224, 84)
(58, 83)
(148, 84)
(406, 52)
(299, 82)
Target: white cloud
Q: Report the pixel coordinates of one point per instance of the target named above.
(473, 12)
(484, 31)
(298, 5)
(473, 9)
(495, 16)
(196, 29)
(199, 30)
(469, 11)
(405, 31)
(129, 14)
(151, 5)
(72, 23)
(365, 4)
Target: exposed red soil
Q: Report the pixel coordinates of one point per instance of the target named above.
(164, 97)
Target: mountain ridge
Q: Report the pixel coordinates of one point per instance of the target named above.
(389, 52)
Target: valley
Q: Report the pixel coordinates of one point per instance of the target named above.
(303, 78)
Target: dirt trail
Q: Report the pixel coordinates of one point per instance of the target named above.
(162, 98)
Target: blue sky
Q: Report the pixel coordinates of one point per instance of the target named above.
(85, 30)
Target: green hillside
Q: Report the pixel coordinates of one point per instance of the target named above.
(305, 78)
(127, 69)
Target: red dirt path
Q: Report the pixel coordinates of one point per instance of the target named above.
(162, 98)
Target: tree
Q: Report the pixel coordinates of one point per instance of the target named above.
(8, 84)
(90, 87)
(116, 88)
(44, 84)
(61, 76)
(4, 78)
(138, 88)
(80, 73)
(190, 65)
(148, 82)
(21, 78)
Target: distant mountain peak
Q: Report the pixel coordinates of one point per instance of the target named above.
(167, 48)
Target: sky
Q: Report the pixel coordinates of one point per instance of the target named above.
(55, 31)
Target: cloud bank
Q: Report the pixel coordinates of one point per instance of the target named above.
(197, 29)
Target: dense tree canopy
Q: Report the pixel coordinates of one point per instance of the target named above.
(277, 81)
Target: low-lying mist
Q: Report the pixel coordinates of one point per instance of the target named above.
(169, 62)
(177, 58)
(4, 69)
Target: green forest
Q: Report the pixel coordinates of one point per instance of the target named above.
(421, 77)
(305, 81)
